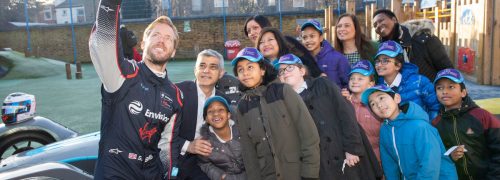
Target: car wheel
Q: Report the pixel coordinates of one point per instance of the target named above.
(22, 142)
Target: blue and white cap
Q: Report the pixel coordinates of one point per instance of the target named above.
(452, 74)
(366, 94)
(248, 53)
(287, 59)
(389, 48)
(363, 67)
(313, 23)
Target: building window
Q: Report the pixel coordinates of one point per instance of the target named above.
(196, 4)
(271, 2)
(47, 15)
(218, 3)
(80, 12)
(298, 3)
(64, 13)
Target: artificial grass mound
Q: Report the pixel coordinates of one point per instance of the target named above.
(14, 65)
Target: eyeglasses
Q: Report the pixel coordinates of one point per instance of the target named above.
(383, 61)
(288, 68)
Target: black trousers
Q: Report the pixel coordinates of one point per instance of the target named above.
(189, 169)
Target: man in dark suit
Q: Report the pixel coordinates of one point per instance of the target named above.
(208, 70)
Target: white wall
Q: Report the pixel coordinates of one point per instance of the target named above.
(62, 15)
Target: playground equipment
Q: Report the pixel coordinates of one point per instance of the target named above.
(468, 27)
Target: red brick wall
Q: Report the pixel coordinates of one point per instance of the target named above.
(55, 42)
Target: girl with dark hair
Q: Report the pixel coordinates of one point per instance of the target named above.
(273, 45)
(278, 135)
(351, 42)
(253, 26)
(421, 46)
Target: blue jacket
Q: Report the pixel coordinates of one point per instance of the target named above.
(418, 89)
(334, 64)
(412, 147)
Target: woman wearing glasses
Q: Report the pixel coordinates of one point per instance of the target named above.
(345, 150)
(404, 78)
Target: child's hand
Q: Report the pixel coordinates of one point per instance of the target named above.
(458, 153)
(346, 93)
(351, 159)
(200, 146)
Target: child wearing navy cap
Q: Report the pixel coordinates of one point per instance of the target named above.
(471, 133)
(404, 78)
(410, 148)
(225, 161)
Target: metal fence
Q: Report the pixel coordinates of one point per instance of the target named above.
(38, 14)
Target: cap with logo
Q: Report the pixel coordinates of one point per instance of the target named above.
(363, 67)
(287, 59)
(452, 74)
(248, 53)
(366, 94)
(313, 23)
(389, 48)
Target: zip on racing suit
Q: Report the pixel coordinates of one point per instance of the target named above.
(138, 107)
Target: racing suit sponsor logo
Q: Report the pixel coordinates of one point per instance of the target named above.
(132, 155)
(159, 116)
(144, 132)
(115, 151)
(135, 107)
(106, 8)
(166, 100)
(148, 158)
(144, 87)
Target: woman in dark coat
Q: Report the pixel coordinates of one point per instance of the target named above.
(344, 148)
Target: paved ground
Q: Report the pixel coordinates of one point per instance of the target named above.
(488, 97)
(477, 91)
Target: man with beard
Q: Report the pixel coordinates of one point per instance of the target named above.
(209, 68)
(140, 105)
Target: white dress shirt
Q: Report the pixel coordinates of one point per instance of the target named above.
(199, 120)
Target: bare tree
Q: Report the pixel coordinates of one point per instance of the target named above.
(247, 6)
(13, 10)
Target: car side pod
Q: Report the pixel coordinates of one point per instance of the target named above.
(30, 134)
(47, 170)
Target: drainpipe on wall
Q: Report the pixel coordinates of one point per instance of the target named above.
(27, 24)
